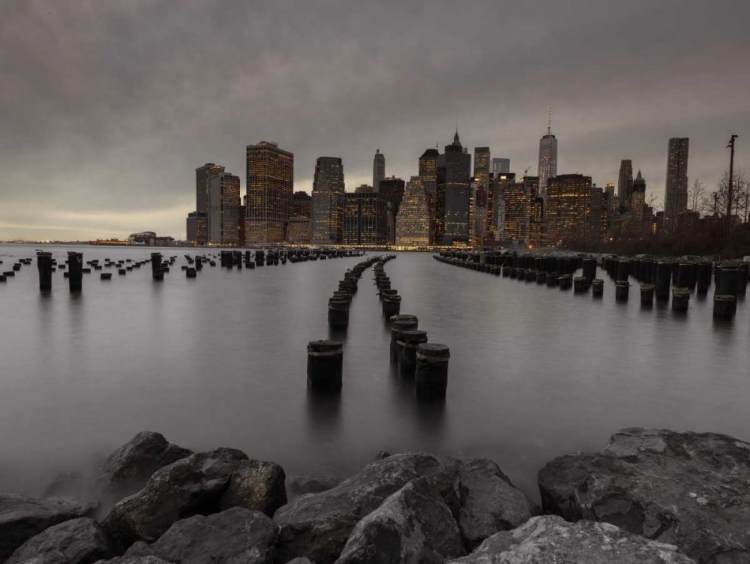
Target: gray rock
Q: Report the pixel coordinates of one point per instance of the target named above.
(236, 535)
(318, 525)
(412, 526)
(313, 483)
(78, 541)
(686, 489)
(128, 468)
(191, 486)
(23, 517)
(139, 548)
(256, 485)
(300, 560)
(551, 540)
(134, 560)
(489, 502)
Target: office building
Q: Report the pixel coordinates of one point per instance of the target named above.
(428, 170)
(196, 227)
(393, 190)
(499, 166)
(223, 210)
(365, 219)
(327, 201)
(298, 230)
(453, 196)
(301, 202)
(378, 169)
(625, 184)
(521, 208)
(202, 176)
(482, 166)
(547, 158)
(638, 198)
(413, 219)
(609, 195)
(573, 210)
(270, 183)
(675, 198)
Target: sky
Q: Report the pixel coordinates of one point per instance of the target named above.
(108, 107)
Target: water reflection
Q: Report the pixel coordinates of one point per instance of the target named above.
(323, 412)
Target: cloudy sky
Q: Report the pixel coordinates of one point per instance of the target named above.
(108, 106)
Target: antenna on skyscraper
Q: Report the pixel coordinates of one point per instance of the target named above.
(549, 120)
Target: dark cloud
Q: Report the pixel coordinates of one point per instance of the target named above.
(108, 107)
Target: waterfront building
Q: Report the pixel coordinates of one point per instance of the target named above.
(242, 224)
(547, 157)
(625, 184)
(202, 176)
(522, 209)
(573, 209)
(453, 196)
(499, 166)
(413, 219)
(298, 230)
(378, 169)
(301, 202)
(223, 210)
(428, 170)
(270, 183)
(196, 228)
(482, 166)
(327, 201)
(676, 193)
(365, 219)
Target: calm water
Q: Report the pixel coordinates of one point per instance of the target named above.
(221, 361)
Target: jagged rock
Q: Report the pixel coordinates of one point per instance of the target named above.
(256, 485)
(412, 526)
(313, 483)
(23, 517)
(551, 540)
(318, 525)
(134, 560)
(128, 468)
(235, 535)
(687, 489)
(139, 548)
(489, 502)
(382, 454)
(78, 541)
(191, 486)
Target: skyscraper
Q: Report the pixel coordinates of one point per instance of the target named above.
(328, 201)
(453, 196)
(223, 209)
(547, 157)
(378, 169)
(625, 184)
(638, 198)
(202, 176)
(499, 166)
(270, 183)
(573, 209)
(393, 190)
(365, 219)
(482, 166)
(428, 169)
(609, 195)
(675, 197)
(413, 220)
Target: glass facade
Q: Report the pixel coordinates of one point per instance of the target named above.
(676, 198)
(413, 219)
(196, 228)
(378, 170)
(625, 184)
(499, 166)
(270, 182)
(453, 197)
(327, 219)
(573, 209)
(202, 176)
(482, 166)
(547, 161)
(365, 219)
(223, 210)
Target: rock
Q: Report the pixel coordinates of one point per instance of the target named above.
(191, 486)
(382, 454)
(412, 526)
(139, 548)
(23, 517)
(235, 535)
(134, 560)
(256, 485)
(686, 489)
(550, 540)
(489, 502)
(300, 560)
(318, 525)
(78, 541)
(313, 483)
(128, 468)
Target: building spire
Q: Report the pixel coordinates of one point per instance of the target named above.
(549, 120)
(455, 137)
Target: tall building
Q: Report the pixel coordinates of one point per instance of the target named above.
(413, 219)
(328, 201)
(609, 195)
(223, 210)
(521, 208)
(270, 183)
(300, 204)
(378, 169)
(202, 176)
(482, 166)
(428, 170)
(196, 228)
(675, 198)
(393, 190)
(453, 197)
(365, 219)
(499, 166)
(625, 184)
(573, 209)
(547, 157)
(638, 198)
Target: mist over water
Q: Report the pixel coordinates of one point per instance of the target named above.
(221, 361)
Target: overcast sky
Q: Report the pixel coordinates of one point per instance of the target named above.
(108, 106)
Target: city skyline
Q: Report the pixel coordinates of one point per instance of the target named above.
(110, 143)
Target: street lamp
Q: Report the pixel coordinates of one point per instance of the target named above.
(729, 187)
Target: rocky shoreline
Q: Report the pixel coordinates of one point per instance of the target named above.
(651, 495)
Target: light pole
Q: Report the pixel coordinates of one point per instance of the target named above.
(729, 186)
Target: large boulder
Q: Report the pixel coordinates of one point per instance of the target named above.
(78, 541)
(201, 484)
(412, 526)
(551, 540)
(313, 483)
(489, 502)
(128, 468)
(134, 560)
(23, 517)
(235, 535)
(687, 489)
(318, 525)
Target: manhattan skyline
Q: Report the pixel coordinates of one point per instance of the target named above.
(109, 109)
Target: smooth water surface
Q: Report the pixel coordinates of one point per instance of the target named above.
(220, 360)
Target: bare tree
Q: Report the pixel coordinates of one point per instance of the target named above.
(652, 203)
(715, 203)
(695, 194)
